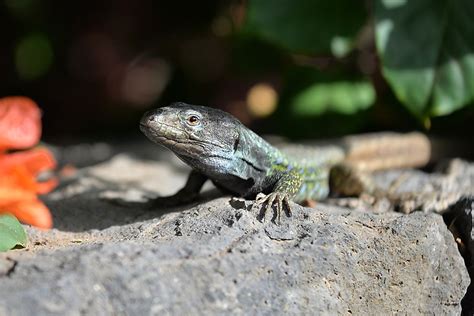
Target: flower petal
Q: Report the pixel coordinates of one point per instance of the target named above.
(9, 195)
(18, 177)
(32, 212)
(35, 160)
(47, 186)
(20, 123)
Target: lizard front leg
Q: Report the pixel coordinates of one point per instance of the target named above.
(285, 190)
(187, 194)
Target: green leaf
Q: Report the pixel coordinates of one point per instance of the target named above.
(343, 97)
(307, 26)
(11, 233)
(427, 52)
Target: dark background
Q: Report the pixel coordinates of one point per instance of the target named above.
(95, 67)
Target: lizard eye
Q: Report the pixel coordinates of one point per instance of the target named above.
(193, 120)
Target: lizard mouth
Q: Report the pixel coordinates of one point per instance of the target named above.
(171, 137)
(175, 138)
(163, 132)
(154, 125)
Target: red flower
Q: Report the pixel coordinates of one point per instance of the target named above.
(20, 128)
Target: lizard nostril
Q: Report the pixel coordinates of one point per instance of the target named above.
(151, 118)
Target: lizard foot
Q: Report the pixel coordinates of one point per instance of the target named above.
(280, 200)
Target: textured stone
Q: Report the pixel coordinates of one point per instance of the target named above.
(215, 257)
(460, 220)
(414, 190)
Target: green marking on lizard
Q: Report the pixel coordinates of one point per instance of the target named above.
(220, 148)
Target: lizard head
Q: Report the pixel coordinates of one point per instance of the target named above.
(192, 131)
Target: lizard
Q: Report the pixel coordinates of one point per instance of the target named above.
(218, 147)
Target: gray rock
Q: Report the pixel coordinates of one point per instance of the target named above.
(460, 220)
(408, 190)
(414, 190)
(215, 257)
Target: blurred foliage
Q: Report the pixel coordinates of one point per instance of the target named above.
(33, 56)
(345, 97)
(300, 68)
(427, 53)
(426, 49)
(306, 26)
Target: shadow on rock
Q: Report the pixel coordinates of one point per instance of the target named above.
(91, 203)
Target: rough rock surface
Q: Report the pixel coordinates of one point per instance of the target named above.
(460, 220)
(108, 255)
(407, 190)
(429, 192)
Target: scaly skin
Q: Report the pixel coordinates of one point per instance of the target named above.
(220, 148)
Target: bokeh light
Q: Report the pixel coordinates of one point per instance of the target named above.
(262, 100)
(33, 56)
(145, 80)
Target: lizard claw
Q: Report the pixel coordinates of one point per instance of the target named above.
(280, 200)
